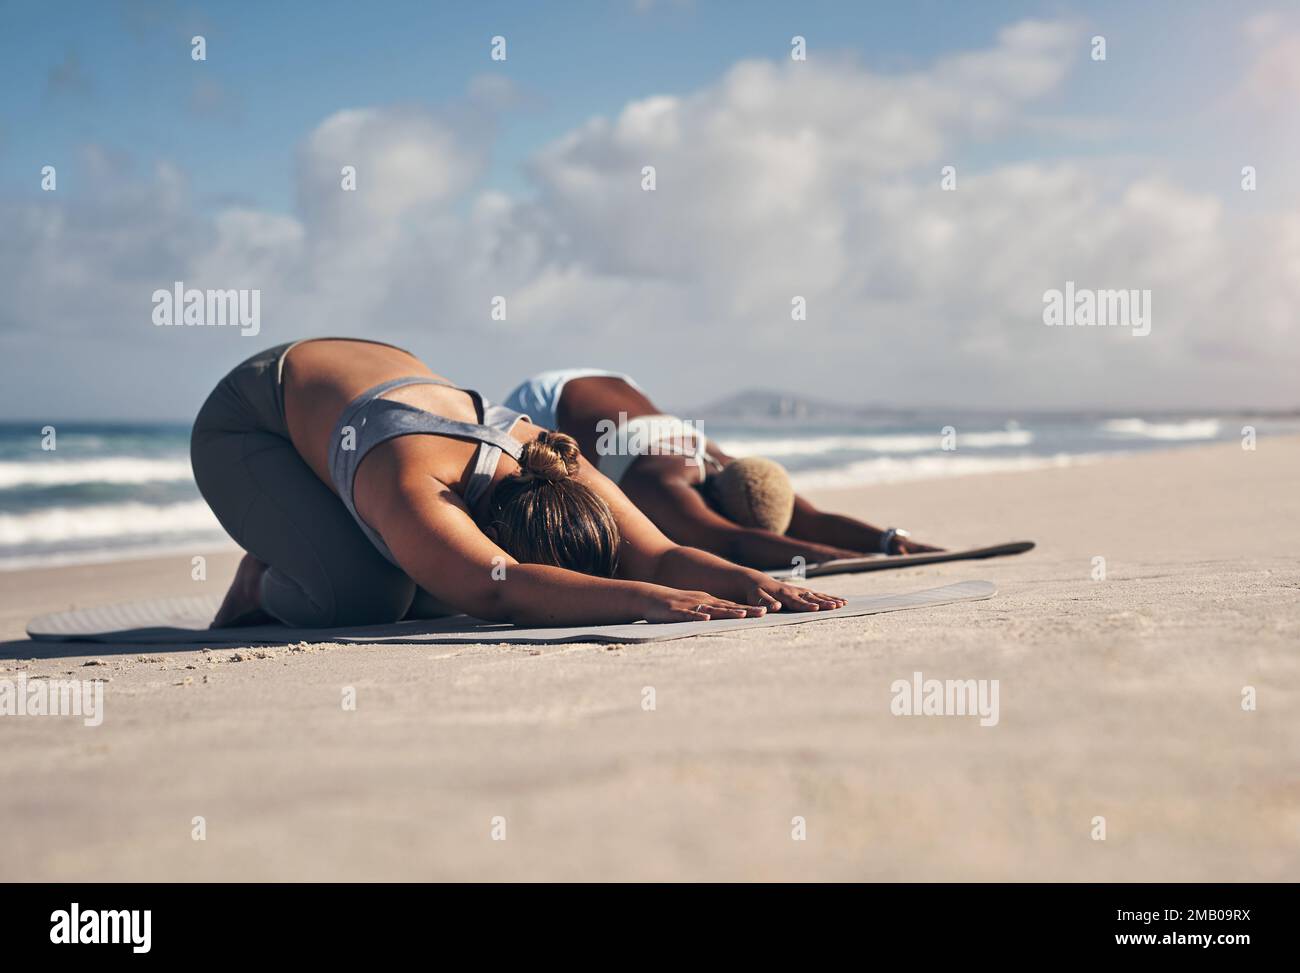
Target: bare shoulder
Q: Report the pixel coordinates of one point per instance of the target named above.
(525, 431)
(601, 396)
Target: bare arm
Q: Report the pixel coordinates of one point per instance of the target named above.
(847, 536)
(435, 540)
(808, 521)
(648, 555)
(678, 508)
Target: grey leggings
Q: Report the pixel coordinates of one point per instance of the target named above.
(323, 571)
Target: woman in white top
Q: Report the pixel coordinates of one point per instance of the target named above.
(742, 509)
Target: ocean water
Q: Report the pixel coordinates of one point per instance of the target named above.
(105, 491)
(110, 491)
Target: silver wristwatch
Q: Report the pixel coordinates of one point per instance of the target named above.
(888, 537)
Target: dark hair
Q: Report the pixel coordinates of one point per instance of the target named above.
(541, 515)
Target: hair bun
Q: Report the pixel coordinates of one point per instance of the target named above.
(551, 456)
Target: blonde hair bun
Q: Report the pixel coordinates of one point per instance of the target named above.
(755, 492)
(551, 456)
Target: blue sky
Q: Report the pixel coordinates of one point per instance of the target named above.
(274, 70)
(1124, 173)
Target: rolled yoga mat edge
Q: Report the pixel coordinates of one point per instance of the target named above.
(884, 562)
(183, 621)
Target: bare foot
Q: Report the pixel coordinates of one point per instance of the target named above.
(243, 602)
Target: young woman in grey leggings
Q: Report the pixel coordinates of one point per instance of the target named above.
(366, 489)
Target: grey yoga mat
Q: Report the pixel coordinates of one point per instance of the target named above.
(183, 621)
(882, 562)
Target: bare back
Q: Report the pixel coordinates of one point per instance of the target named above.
(593, 399)
(321, 377)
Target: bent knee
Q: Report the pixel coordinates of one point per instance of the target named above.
(371, 601)
(378, 602)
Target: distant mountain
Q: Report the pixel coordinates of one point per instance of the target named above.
(761, 405)
(766, 406)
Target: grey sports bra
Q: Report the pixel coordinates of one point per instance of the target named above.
(374, 420)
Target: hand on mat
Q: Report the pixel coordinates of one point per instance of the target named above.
(908, 546)
(672, 605)
(782, 596)
(756, 588)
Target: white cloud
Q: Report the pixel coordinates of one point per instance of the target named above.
(407, 161)
(1273, 77)
(819, 179)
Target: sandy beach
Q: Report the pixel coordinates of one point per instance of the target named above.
(1119, 698)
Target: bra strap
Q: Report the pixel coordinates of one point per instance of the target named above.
(452, 427)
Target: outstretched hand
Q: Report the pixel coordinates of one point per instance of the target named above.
(906, 545)
(782, 596)
(673, 605)
(697, 572)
